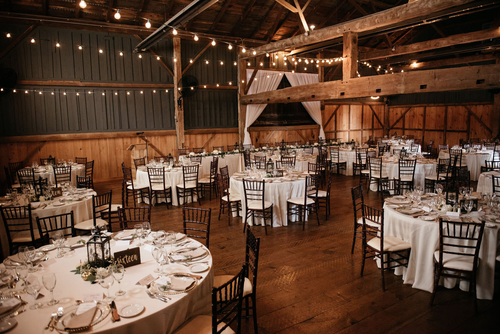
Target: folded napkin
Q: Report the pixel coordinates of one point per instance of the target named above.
(179, 236)
(180, 283)
(82, 320)
(187, 255)
(15, 258)
(74, 242)
(124, 235)
(397, 201)
(410, 211)
(9, 304)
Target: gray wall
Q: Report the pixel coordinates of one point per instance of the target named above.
(118, 109)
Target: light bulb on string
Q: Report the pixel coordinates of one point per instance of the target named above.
(32, 40)
(148, 24)
(157, 57)
(101, 51)
(235, 64)
(58, 45)
(121, 54)
(8, 35)
(213, 42)
(267, 54)
(243, 50)
(174, 31)
(222, 63)
(118, 15)
(140, 56)
(206, 62)
(83, 4)
(196, 38)
(230, 46)
(80, 47)
(254, 52)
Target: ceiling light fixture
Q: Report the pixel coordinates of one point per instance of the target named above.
(196, 38)
(174, 31)
(118, 15)
(230, 46)
(83, 4)
(213, 42)
(148, 24)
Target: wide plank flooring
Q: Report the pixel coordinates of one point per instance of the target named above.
(309, 282)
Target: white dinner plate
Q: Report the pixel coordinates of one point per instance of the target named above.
(427, 218)
(47, 248)
(57, 204)
(199, 267)
(131, 310)
(7, 324)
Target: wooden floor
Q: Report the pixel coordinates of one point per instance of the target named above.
(309, 282)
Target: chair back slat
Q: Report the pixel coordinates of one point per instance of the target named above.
(196, 223)
(51, 225)
(131, 216)
(62, 174)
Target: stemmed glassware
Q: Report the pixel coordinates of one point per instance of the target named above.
(33, 289)
(118, 271)
(139, 231)
(469, 205)
(59, 241)
(22, 253)
(22, 274)
(106, 280)
(30, 256)
(170, 238)
(49, 282)
(146, 227)
(157, 254)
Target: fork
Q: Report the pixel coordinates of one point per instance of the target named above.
(155, 296)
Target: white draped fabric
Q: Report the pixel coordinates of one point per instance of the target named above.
(312, 107)
(265, 81)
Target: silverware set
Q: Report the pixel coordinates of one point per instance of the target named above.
(153, 295)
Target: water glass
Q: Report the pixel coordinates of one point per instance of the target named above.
(33, 289)
(170, 238)
(157, 254)
(146, 227)
(49, 282)
(22, 274)
(117, 270)
(31, 254)
(106, 281)
(59, 241)
(139, 230)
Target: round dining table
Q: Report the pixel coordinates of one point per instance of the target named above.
(474, 161)
(423, 236)
(47, 172)
(423, 168)
(158, 317)
(277, 191)
(80, 204)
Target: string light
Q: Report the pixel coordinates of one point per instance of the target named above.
(206, 62)
(80, 47)
(14, 91)
(157, 57)
(191, 61)
(77, 94)
(243, 50)
(100, 51)
(148, 24)
(140, 56)
(196, 37)
(222, 63)
(154, 91)
(128, 93)
(235, 64)
(40, 93)
(166, 90)
(121, 54)
(230, 46)
(118, 15)
(32, 40)
(175, 60)
(116, 93)
(254, 52)
(90, 92)
(248, 64)
(8, 35)
(83, 4)
(58, 45)
(103, 94)
(174, 31)
(213, 42)
(142, 92)
(267, 54)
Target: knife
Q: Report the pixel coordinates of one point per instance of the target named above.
(114, 312)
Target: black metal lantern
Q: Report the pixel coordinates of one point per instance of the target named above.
(270, 166)
(98, 250)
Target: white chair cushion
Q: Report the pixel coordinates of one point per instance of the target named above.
(221, 279)
(368, 222)
(189, 185)
(23, 236)
(452, 261)
(300, 201)
(431, 177)
(201, 324)
(391, 244)
(365, 171)
(205, 180)
(321, 193)
(232, 198)
(158, 187)
(257, 205)
(384, 176)
(138, 186)
(405, 178)
(339, 162)
(89, 224)
(16, 186)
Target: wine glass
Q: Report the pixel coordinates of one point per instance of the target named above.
(146, 227)
(139, 230)
(170, 238)
(469, 205)
(157, 254)
(59, 241)
(33, 289)
(30, 255)
(49, 282)
(106, 281)
(22, 254)
(118, 270)
(159, 238)
(22, 274)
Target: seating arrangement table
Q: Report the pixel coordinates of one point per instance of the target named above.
(474, 161)
(82, 210)
(278, 191)
(422, 169)
(234, 162)
(157, 317)
(424, 239)
(485, 182)
(173, 177)
(48, 173)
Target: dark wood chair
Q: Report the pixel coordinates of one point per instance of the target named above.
(443, 147)
(288, 162)
(189, 186)
(132, 189)
(323, 196)
(209, 182)
(357, 203)
(224, 172)
(19, 227)
(307, 205)
(131, 216)
(392, 252)
(458, 253)
(406, 174)
(13, 168)
(196, 223)
(376, 172)
(100, 204)
(247, 159)
(182, 151)
(231, 148)
(360, 163)
(26, 176)
(82, 161)
(89, 172)
(139, 162)
(227, 200)
(219, 148)
(62, 175)
(158, 186)
(196, 160)
(65, 223)
(256, 204)
(48, 161)
(198, 150)
(83, 182)
(226, 309)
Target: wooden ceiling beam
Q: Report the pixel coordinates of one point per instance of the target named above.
(280, 26)
(273, 30)
(244, 15)
(288, 6)
(452, 40)
(219, 16)
(109, 12)
(385, 19)
(257, 28)
(139, 10)
(447, 62)
(196, 58)
(452, 79)
(77, 9)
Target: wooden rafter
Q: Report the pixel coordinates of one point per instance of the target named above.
(221, 13)
(473, 114)
(155, 55)
(288, 6)
(17, 41)
(447, 62)
(400, 118)
(301, 14)
(331, 117)
(465, 38)
(281, 25)
(385, 19)
(109, 11)
(247, 11)
(330, 15)
(273, 30)
(376, 116)
(440, 80)
(196, 58)
(258, 26)
(139, 10)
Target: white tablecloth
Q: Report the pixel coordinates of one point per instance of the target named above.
(407, 147)
(82, 210)
(421, 171)
(423, 237)
(485, 182)
(234, 162)
(172, 177)
(158, 317)
(474, 161)
(76, 170)
(276, 193)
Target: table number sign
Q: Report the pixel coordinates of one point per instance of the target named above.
(129, 257)
(57, 192)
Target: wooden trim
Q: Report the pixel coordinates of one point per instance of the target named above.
(64, 83)
(423, 130)
(445, 124)
(208, 131)
(283, 128)
(196, 58)
(477, 119)
(83, 136)
(440, 104)
(178, 102)
(18, 40)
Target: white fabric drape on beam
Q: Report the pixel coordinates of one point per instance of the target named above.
(312, 107)
(266, 81)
